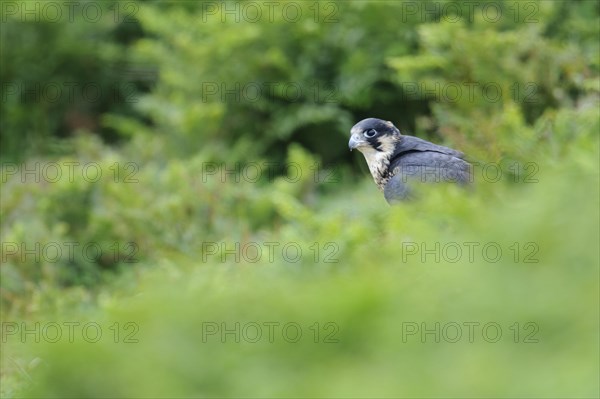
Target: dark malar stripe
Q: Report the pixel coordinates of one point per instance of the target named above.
(377, 145)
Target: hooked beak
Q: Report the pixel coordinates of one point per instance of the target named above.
(353, 143)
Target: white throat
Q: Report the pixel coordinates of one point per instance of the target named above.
(379, 161)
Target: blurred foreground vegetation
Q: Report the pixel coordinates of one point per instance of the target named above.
(164, 223)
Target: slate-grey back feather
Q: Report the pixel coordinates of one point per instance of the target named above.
(413, 167)
(411, 143)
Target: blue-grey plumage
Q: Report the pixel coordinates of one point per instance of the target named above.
(397, 161)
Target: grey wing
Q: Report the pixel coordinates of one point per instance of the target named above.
(425, 167)
(411, 144)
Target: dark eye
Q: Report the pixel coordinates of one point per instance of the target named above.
(370, 133)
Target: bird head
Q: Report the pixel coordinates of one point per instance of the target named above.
(373, 135)
(377, 140)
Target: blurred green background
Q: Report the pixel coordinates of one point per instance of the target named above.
(131, 136)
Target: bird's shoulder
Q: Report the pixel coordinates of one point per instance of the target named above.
(411, 144)
(425, 161)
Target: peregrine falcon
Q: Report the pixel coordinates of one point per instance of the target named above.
(397, 161)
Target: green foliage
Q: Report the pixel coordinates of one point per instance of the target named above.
(60, 71)
(375, 287)
(306, 75)
(303, 81)
(175, 221)
(298, 82)
(368, 284)
(488, 80)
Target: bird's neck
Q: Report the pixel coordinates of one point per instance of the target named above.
(379, 161)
